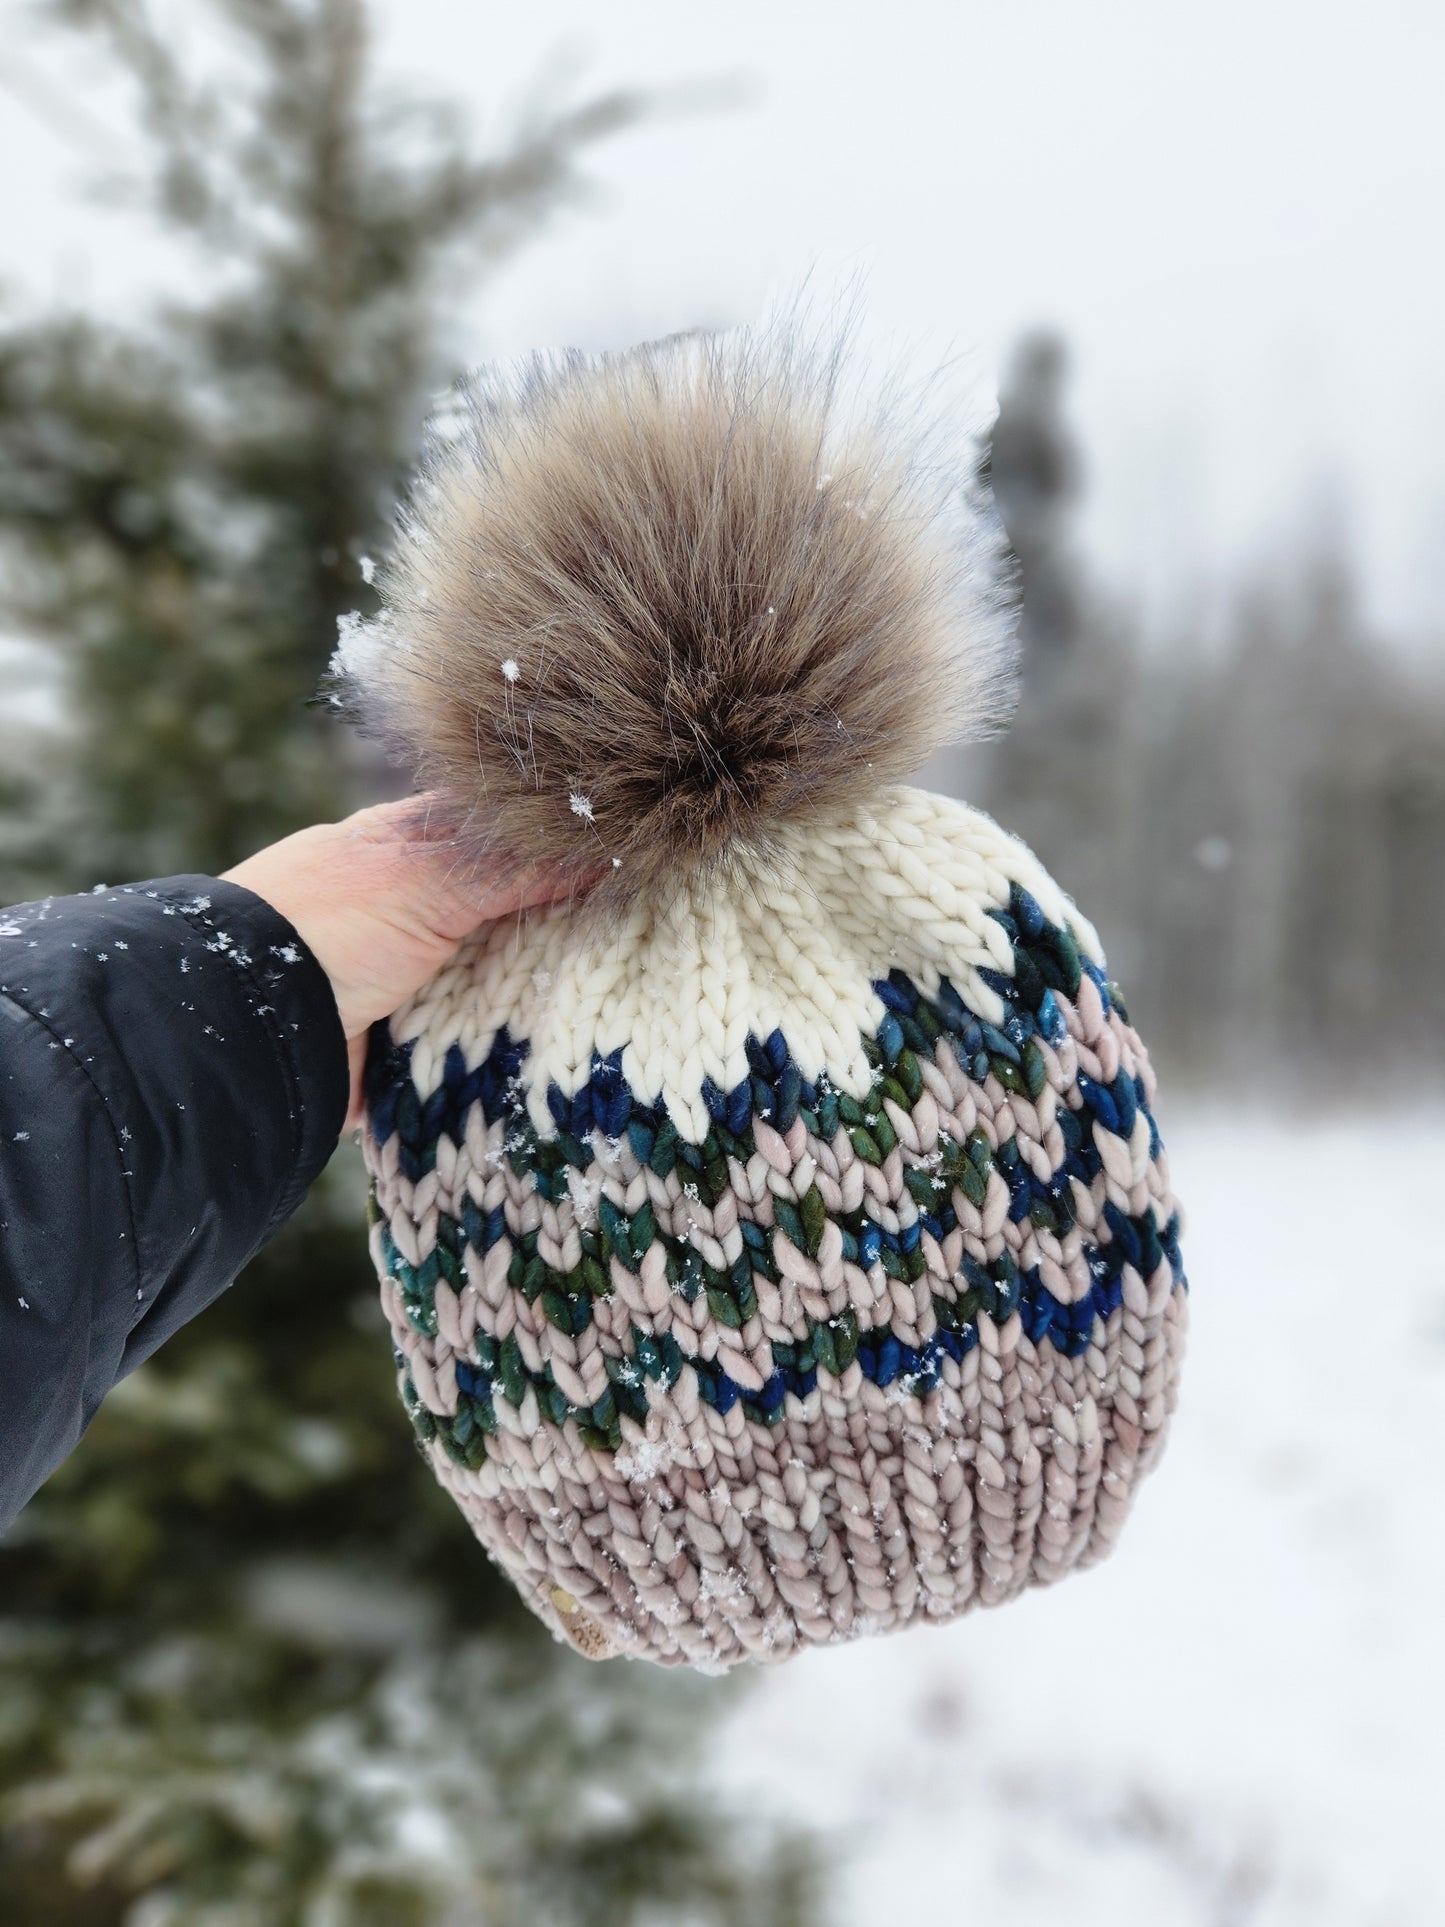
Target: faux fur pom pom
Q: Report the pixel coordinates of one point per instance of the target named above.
(648, 606)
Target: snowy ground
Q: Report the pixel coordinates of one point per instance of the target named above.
(1239, 1720)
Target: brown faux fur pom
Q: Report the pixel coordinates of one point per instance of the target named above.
(645, 607)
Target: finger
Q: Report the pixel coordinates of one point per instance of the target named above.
(446, 884)
(356, 1062)
(487, 896)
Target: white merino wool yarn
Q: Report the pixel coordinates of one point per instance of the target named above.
(775, 1235)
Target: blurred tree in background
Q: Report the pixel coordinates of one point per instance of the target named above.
(1061, 778)
(184, 509)
(1255, 820)
(1034, 468)
(253, 1671)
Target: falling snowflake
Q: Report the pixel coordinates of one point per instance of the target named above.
(368, 569)
(510, 669)
(581, 805)
(355, 642)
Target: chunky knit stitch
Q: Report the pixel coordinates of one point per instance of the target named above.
(791, 1260)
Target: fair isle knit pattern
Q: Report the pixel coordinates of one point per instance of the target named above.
(795, 1264)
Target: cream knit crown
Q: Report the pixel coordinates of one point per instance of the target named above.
(778, 1246)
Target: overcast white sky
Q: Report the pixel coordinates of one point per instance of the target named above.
(1234, 213)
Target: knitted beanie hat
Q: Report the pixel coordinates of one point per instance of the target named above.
(776, 1239)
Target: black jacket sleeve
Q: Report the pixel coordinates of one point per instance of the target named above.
(172, 1077)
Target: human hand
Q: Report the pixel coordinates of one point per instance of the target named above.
(381, 906)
